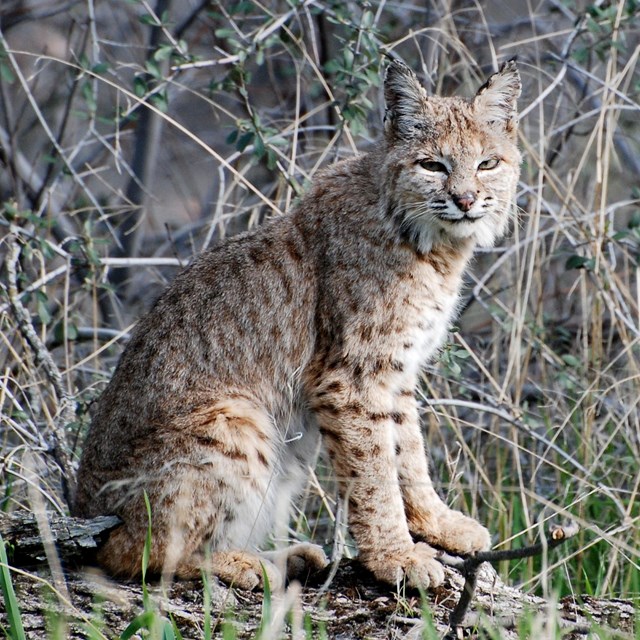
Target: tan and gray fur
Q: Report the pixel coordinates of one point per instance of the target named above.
(313, 327)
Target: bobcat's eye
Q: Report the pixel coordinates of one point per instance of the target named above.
(491, 163)
(433, 165)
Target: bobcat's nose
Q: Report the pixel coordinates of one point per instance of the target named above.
(464, 201)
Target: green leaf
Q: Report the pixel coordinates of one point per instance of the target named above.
(579, 262)
(146, 554)
(348, 58)
(89, 96)
(620, 235)
(160, 101)
(228, 630)
(164, 52)
(43, 311)
(244, 7)
(58, 331)
(169, 630)
(245, 140)
(258, 147)
(206, 605)
(45, 248)
(373, 77)
(367, 20)
(267, 610)
(154, 70)
(139, 86)
(100, 68)
(6, 72)
(150, 20)
(272, 159)
(174, 629)
(332, 66)
(225, 33)
(571, 361)
(634, 220)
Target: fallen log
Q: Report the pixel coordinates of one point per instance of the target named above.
(76, 540)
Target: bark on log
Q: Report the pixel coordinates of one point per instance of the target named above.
(76, 540)
(354, 606)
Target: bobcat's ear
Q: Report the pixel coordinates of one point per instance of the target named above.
(406, 102)
(496, 100)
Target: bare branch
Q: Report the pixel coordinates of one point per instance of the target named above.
(469, 566)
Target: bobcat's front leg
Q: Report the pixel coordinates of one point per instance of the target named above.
(358, 436)
(428, 516)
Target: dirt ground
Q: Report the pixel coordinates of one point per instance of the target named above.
(354, 605)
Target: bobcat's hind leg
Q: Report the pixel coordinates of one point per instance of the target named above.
(122, 557)
(216, 493)
(121, 554)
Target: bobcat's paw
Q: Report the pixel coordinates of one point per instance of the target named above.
(417, 565)
(299, 560)
(245, 570)
(304, 559)
(462, 535)
(452, 531)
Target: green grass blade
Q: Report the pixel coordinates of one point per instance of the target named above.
(229, 630)
(266, 605)
(175, 632)
(206, 594)
(168, 630)
(16, 630)
(144, 621)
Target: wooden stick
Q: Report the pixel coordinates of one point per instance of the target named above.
(470, 565)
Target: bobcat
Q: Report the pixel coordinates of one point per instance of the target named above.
(312, 327)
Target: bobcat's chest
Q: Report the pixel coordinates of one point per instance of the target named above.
(424, 310)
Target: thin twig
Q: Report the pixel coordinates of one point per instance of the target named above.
(470, 565)
(26, 175)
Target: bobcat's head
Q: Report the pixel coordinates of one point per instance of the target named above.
(452, 164)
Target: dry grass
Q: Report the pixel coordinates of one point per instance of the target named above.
(534, 408)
